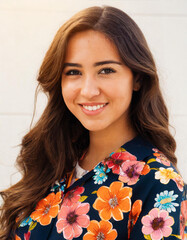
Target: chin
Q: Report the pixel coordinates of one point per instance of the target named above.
(94, 127)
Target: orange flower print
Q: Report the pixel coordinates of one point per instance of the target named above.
(17, 238)
(133, 215)
(47, 208)
(113, 201)
(145, 170)
(100, 231)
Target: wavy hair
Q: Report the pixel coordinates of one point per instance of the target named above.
(56, 142)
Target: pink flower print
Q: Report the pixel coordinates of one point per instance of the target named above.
(27, 236)
(157, 223)
(160, 157)
(73, 196)
(72, 219)
(115, 161)
(179, 181)
(183, 218)
(130, 171)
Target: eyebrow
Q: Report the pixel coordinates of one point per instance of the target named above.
(106, 62)
(95, 64)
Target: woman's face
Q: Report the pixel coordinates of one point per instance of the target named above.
(96, 86)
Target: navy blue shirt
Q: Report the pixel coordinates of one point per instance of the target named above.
(135, 193)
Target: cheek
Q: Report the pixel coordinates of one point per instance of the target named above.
(68, 93)
(65, 92)
(121, 92)
(122, 97)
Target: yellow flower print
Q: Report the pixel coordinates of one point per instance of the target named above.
(165, 174)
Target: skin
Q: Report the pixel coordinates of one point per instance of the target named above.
(88, 80)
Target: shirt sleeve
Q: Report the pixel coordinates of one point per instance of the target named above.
(159, 198)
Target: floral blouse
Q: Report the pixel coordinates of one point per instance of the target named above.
(135, 193)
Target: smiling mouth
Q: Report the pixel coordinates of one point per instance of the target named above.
(94, 107)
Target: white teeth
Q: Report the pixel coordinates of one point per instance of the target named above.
(93, 108)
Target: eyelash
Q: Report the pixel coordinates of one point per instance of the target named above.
(73, 72)
(107, 70)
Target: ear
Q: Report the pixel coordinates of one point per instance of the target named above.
(136, 82)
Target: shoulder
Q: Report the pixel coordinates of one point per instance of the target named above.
(140, 164)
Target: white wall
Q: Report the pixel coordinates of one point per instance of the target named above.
(26, 30)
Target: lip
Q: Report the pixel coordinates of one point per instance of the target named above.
(92, 104)
(94, 112)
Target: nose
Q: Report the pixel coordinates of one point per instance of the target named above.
(90, 88)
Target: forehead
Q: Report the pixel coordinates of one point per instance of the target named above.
(90, 43)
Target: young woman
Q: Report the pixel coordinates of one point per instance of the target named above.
(100, 162)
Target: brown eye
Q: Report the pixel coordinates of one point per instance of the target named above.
(73, 72)
(107, 71)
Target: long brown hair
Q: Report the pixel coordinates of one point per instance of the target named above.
(56, 142)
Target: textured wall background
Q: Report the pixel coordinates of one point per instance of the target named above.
(26, 30)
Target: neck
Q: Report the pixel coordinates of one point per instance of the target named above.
(102, 143)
